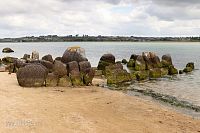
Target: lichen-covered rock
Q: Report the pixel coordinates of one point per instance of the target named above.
(20, 63)
(59, 69)
(8, 60)
(187, 69)
(31, 75)
(164, 71)
(7, 50)
(47, 64)
(84, 65)
(88, 76)
(191, 65)
(166, 60)
(146, 57)
(73, 66)
(133, 76)
(118, 76)
(35, 55)
(64, 82)
(106, 60)
(142, 75)
(155, 73)
(48, 58)
(110, 68)
(76, 78)
(51, 80)
(131, 63)
(155, 60)
(72, 55)
(140, 64)
(172, 70)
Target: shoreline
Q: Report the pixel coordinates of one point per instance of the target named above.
(83, 109)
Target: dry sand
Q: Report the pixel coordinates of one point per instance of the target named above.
(83, 110)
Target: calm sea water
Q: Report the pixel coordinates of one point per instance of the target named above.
(184, 87)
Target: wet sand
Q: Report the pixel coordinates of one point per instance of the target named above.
(83, 110)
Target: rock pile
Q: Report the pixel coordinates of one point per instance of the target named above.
(142, 67)
(72, 69)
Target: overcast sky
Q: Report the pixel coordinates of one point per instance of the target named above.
(100, 17)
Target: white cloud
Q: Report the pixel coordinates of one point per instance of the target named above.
(105, 17)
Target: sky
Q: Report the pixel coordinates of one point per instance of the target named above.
(99, 17)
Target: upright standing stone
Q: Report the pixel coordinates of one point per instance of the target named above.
(35, 55)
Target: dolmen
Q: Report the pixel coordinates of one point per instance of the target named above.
(146, 66)
(72, 69)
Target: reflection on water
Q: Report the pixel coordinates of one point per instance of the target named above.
(184, 87)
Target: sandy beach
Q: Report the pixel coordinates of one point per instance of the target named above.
(83, 110)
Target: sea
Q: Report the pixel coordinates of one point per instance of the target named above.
(184, 87)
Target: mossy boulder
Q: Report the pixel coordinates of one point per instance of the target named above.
(64, 81)
(106, 60)
(191, 65)
(88, 76)
(110, 68)
(76, 78)
(164, 71)
(59, 68)
(155, 73)
(187, 69)
(172, 70)
(131, 63)
(147, 59)
(51, 80)
(8, 60)
(32, 75)
(133, 76)
(48, 58)
(7, 50)
(118, 76)
(166, 60)
(142, 75)
(140, 64)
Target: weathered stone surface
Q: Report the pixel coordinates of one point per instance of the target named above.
(48, 58)
(146, 57)
(164, 71)
(155, 73)
(47, 64)
(131, 63)
(31, 76)
(140, 64)
(191, 65)
(70, 55)
(59, 69)
(155, 60)
(187, 69)
(73, 66)
(8, 60)
(64, 82)
(142, 75)
(133, 76)
(76, 78)
(51, 80)
(118, 76)
(35, 55)
(106, 60)
(88, 76)
(84, 65)
(7, 50)
(172, 70)
(20, 63)
(110, 68)
(166, 60)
